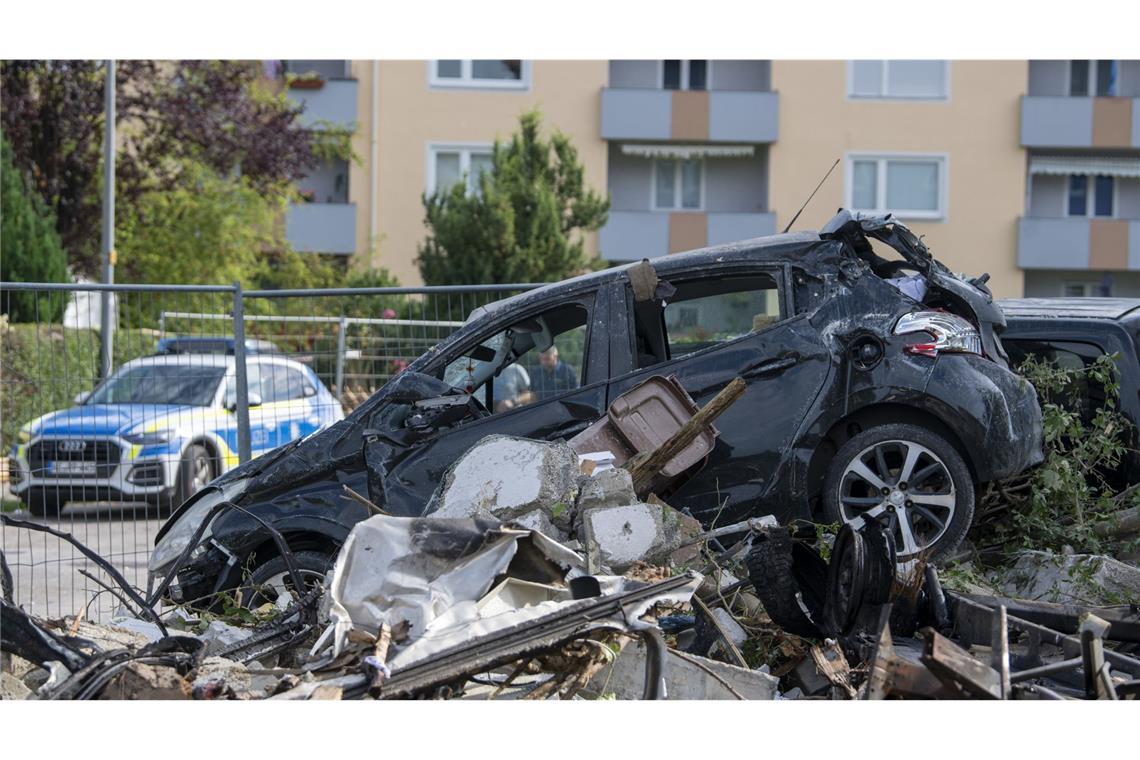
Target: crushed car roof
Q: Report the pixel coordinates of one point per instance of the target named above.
(1071, 308)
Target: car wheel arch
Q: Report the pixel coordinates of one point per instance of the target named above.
(873, 415)
(298, 541)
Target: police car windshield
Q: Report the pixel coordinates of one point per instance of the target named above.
(160, 384)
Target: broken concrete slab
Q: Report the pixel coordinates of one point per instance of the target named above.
(12, 687)
(609, 488)
(687, 676)
(622, 535)
(538, 520)
(1071, 578)
(504, 477)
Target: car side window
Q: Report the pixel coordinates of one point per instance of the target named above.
(253, 382)
(703, 313)
(1064, 355)
(534, 360)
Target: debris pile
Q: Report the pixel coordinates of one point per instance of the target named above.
(544, 571)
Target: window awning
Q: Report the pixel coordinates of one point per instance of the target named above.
(1112, 166)
(687, 151)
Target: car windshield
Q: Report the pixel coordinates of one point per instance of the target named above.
(160, 384)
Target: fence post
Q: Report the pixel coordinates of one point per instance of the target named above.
(340, 348)
(241, 400)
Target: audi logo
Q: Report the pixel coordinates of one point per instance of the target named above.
(72, 447)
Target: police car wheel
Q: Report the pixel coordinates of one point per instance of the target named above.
(194, 473)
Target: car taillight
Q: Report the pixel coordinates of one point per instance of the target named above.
(948, 333)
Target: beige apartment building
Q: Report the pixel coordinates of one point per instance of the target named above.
(1029, 170)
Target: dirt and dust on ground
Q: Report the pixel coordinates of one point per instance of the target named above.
(544, 571)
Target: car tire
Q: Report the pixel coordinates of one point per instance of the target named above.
(268, 579)
(196, 469)
(908, 477)
(44, 503)
(785, 574)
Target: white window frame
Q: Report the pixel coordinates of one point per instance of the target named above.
(942, 213)
(463, 149)
(685, 75)
(1091, 83)
(884, 78)
(1090, 202)
(678, 183)
(467, 82)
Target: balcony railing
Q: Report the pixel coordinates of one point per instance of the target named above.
(321, 227)
(1078, 243)
(635, 235)
(333, 103)
(1053, 121)
(699, 116)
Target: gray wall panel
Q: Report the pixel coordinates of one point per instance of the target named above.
(1048, 77)
(753, 76)
(321, 227)
(1127, 198)
(737, 184)
(634, 74)
(630, 181)
(1048, 195)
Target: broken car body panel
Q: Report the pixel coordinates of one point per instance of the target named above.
(822, 364)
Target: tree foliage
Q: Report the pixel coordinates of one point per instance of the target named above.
(171, 115)
(30, 249)
(526, 223)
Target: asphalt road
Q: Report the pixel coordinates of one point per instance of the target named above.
(45, 569)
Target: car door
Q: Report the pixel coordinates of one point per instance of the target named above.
(559, 409)
(718, 326)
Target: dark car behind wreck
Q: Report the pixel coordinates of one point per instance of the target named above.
(876, 387)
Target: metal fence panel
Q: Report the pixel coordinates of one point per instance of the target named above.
(106, 460)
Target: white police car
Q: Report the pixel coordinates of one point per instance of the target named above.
(161, 427)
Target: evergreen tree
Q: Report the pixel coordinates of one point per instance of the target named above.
(526, 223)
(30, 249)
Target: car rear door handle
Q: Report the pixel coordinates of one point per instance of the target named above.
(770, 367)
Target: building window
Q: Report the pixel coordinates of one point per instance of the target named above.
(450, 164)
(497, 74)
(908, 186)
(1091, 195)
(918, 80)
(1092, 78)
(1077, 289)
(678, 184)
(685, 75)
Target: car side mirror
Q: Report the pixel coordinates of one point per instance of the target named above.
(82, 396)
(254, 400)
(309, 391)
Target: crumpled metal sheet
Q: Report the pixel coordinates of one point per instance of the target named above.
(432, 573)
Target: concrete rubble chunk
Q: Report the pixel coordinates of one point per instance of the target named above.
(217, 674)
(219, 636)
(608, 488)
(622, 535)
(538, 520)
(12, 687)
(503, 478)
(1072, 579)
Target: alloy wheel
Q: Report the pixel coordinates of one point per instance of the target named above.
(903, 485)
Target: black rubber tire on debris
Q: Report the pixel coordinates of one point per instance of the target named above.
(953, 461)
(311, 564)
(780, 568)
(42, 502)
(195, 460)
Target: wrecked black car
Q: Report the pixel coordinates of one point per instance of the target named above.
(877, 388)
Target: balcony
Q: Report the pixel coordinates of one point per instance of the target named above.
(321, 227)
(333, 103)
(1056, 121)
(1078, 243)
(635, 235)
(705, 116)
